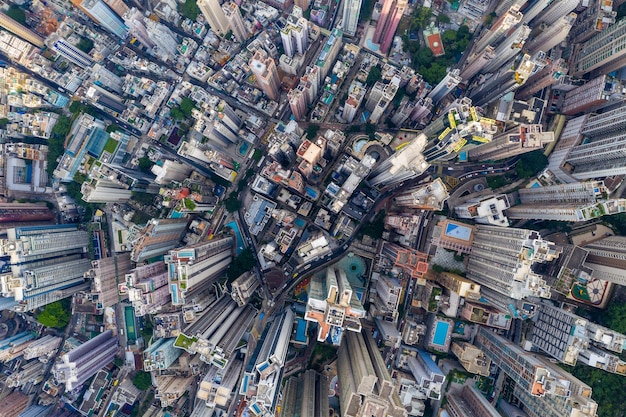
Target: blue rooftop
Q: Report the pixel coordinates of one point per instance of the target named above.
(429, 362)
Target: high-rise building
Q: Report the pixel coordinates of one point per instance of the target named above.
(472, 359)
(593, 19)
(156, 238)
(14, 404)
(328, 55)
(47, 264)
(405, 164)
(549, 75)
(572, 339)
(603, 53)
(264, 69)
(147, 288)
(543, 388)
(602, 152)
(574, 202)
(429, 196)
(365, 387)
(72, 53)
(103, 15)
(508, 48)
(477, 63)
(45, 346)
(551, 34)
(485, 210)
(593, 95)
(510, 76)
(388, 21)
(356, 93)
(215, 16)
(20, 30)
(532, 10)
(197, 266)
(262, 378)
(381, 98)
(217, 386)
(556, 10)
(81, 363)
(469, 403)
(235, 21)
(160, 355)
(445, 86)
(607, 258)
(351, 12)
(503, 259)
(333, 306)
(243, 288)
(516, 141)
(298, 102)
(215, 334)
(386, 298)
(105, 274)
(509, 18)
(295, 34)
(305, 395)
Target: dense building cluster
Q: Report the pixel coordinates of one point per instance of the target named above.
(309, 208)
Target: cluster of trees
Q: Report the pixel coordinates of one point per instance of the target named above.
(608, 388)
(145, 164)
(142, 380)
(373, 76)
(183, 111)
(232, 203)
(85, 45)
(375, 228)
(531, 163)
(17, 14)
(56, 143)
(56, 315)
(189, 9)
(243, 262)
(454, 42)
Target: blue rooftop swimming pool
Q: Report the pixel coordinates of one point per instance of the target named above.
(301, 331)
(441, 331)
(358, 145)
(354, 267)
(240, 243)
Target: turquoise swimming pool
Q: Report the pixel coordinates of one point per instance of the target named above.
(441, 331)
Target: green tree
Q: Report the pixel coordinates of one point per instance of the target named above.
(176, 113)
(375, 228)
(232, 203)
(449, 36)
(367, 7)
(142, 380)
(56, 143)
(618, 222)
(370, 130)
(442, 18)
(243, 262)
(4, 122)
(531, 163)
(85, 45)
(373, 76)
(145, 164)
(311, 130)
(142, 198)
(420, 17)
(189, 9)
(434, 73)
(112, 128)
(17, 14)
(186, 106)
(423, 57)
(56, 314)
